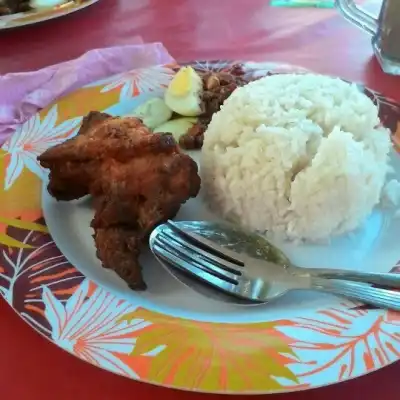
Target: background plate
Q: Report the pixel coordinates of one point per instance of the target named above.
(34, 17)
(134, 334)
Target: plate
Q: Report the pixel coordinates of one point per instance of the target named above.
(33, 17)
(170, 335)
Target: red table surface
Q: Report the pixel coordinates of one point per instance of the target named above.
(30, 366)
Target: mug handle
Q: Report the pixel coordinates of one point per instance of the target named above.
(357, 16)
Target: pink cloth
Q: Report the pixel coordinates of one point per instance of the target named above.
(23, 94)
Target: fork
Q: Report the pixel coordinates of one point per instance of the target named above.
(259, 280)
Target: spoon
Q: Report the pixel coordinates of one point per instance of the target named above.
(248, 266)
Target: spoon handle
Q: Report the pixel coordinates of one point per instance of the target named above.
(382, 298)
(373, 278)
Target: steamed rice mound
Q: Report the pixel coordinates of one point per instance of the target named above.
(299, 155)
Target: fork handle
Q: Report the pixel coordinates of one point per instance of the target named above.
(373, 278)
(381, 298)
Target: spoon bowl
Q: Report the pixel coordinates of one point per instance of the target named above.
(246, 266)
(237, 242)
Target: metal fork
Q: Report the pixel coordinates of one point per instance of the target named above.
(258, 280)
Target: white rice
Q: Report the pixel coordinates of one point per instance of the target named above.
(299, 155)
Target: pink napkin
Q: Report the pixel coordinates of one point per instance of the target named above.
(23, 94)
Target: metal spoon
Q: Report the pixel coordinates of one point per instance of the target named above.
(247, 266)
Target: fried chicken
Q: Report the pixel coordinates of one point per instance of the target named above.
(70, 175)
(138, 180)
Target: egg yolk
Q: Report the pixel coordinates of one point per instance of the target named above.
(181, 84)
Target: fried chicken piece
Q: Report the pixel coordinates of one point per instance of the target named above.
(138, 180)
(74, 163)
(115, 137)
(92, 119)
(121, 247)
(70, 179)
(137, 195)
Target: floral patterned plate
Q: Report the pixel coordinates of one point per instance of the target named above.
(33, 17)
(169, 335)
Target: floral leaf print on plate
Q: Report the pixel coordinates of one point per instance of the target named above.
(22, 200)
(211, 357)
(17, 223)
(138, 81)
(90, 327)
(33, 138)
(25, 271)
(252, 70)
(342, 343)
(9, 241)
(211, 66)
(259, 70)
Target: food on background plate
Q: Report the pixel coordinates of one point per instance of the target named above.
(301, 156)
(153, 113)
(138, 179)
(15, 6)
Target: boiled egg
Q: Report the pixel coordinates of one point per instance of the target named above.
(183, 94)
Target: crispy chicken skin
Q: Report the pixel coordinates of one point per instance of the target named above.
(70, 178)
(138, 180)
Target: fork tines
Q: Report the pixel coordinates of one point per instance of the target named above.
(203, 244)
(177, 250)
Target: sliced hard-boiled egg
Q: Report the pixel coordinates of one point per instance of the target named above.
(184, 92)
(153, 112)
(177, 127)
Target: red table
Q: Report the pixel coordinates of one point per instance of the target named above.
(32, 368)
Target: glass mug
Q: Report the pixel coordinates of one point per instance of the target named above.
(385, 30)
